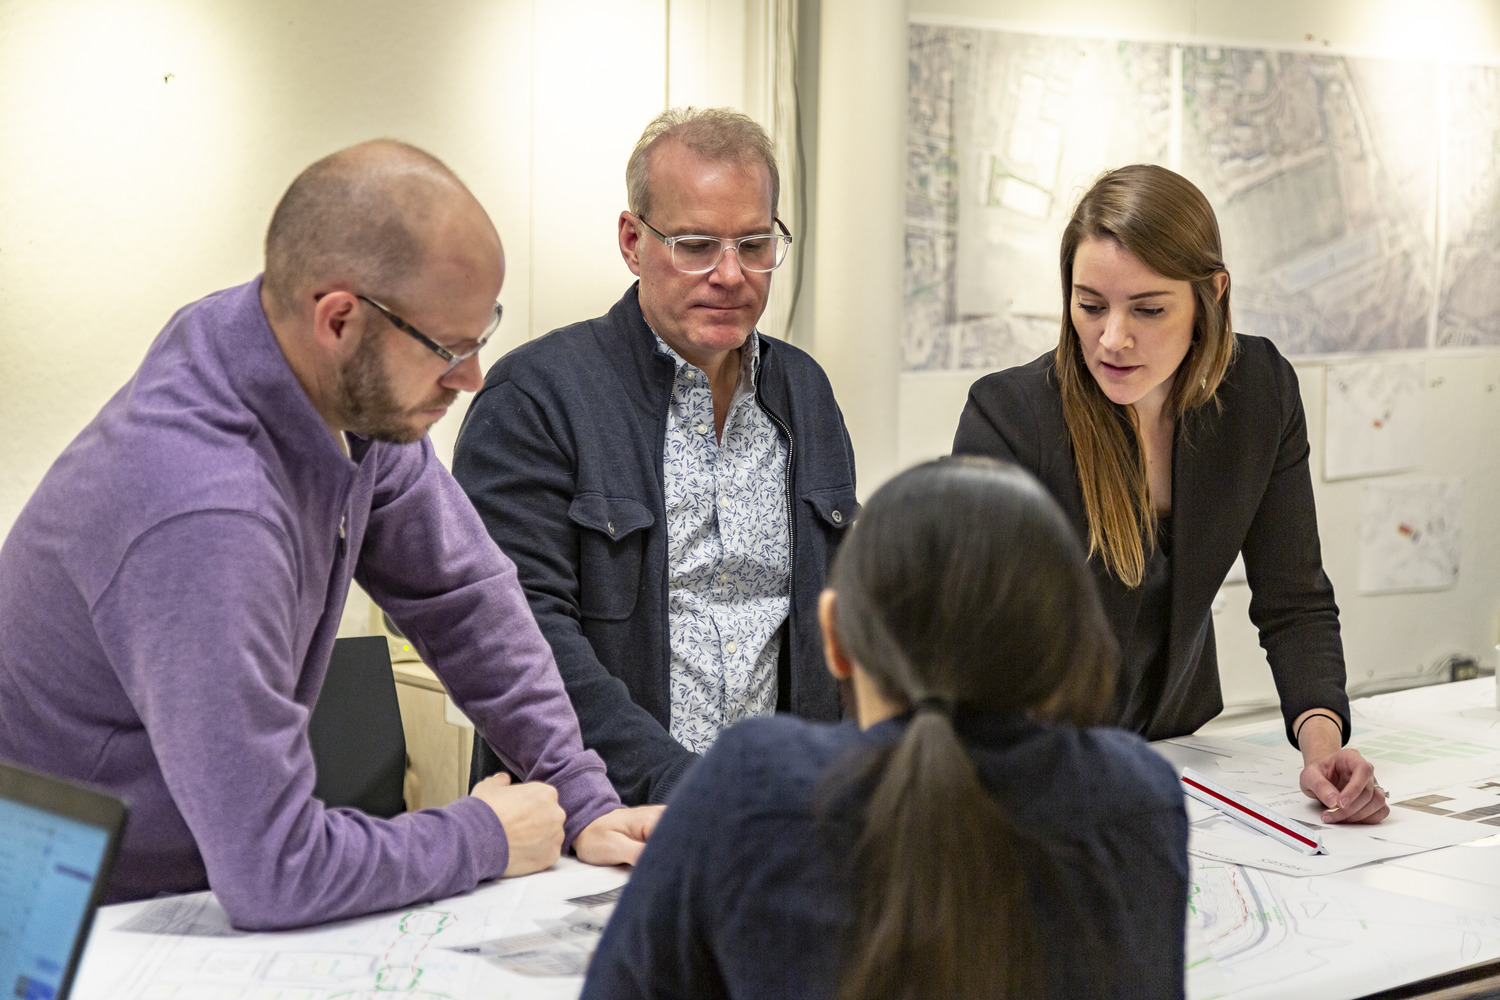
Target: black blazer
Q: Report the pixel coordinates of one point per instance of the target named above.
(561, 453)
(1240, 481)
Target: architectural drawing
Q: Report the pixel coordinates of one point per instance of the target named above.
(470, 945)
(1409, 536)
(1476, 802)
(1288, 938)
(1005, 130)
(1322, 170)
(1373, 419)
(1469, 296)
(381, 956)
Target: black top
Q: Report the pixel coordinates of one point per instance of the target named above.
(1144, 656)
(561, 453)
(1240, 481)
(745, 889)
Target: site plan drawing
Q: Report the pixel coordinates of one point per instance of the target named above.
(1322, 171)
(1276, 936)
(1004, 131)
(474, 944)
(1469, 298)
(1325, 171)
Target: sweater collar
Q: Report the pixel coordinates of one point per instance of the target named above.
(262, 379)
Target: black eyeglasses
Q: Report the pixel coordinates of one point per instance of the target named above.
(453, 357)
(694, 254)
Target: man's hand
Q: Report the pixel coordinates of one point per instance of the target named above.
(532, 819)
(1345, 783)
(617, 838)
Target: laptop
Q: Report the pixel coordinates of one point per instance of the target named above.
(57, 847)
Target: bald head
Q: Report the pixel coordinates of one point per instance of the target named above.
(367, 217)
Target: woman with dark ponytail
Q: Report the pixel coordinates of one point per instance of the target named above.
(966, 834)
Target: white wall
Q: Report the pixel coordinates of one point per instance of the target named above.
(143, 145)
(1385, 636)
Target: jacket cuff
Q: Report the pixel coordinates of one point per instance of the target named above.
(662, 790)
(585, 796)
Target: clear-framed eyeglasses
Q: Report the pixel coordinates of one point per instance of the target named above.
(455, 355)
(695, 254)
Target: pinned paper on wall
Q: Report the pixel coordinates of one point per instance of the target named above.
(1409, 536)
(1373, 419)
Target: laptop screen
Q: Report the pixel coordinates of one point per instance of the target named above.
(57, 843)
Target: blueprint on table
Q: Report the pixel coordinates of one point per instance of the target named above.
(1276, 936)
(448, 949)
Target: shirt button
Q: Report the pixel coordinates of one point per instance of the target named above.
(723, 577)
(611, 527)
(838, 517)
(731, 648)
(702, 428)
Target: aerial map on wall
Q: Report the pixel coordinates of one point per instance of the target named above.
(1325, 171)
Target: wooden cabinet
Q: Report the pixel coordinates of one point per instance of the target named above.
(438, 738)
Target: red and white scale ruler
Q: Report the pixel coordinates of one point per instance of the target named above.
(1288, 831)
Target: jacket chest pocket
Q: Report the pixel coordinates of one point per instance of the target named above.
(611, 548)
(835, 509)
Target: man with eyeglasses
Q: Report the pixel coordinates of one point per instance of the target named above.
(171, 593)
(669, 482)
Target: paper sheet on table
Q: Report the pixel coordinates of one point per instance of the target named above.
(1276, 937)
(1212, 835)
(194, 915)
(1204, 980)
(407, 952)
(1248, 769)
(1410, 760)
(559, 948)
(1476, 862)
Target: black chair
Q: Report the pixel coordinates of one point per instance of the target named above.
(357, 740)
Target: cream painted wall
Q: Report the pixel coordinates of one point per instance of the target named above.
(1386, 637)
(143, 145)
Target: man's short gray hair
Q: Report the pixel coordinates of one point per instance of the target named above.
(721, 134)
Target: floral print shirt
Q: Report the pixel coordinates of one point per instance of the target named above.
(728, 552)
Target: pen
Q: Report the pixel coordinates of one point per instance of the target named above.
(1252, 814)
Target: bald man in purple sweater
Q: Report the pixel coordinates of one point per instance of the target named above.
(170, 595)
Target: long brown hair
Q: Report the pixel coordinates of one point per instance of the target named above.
(961, 589)
(1167, 222)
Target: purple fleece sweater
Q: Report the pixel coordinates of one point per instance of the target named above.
(169, 599)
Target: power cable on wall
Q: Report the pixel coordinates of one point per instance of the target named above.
(801, 168)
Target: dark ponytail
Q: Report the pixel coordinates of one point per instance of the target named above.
(960, 590)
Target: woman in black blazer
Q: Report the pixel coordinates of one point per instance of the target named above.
(1173, 444)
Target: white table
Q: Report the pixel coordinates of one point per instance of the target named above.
(405, 954)
(1378, 929)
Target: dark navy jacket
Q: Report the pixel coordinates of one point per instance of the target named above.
(561, 452)
(747, 886)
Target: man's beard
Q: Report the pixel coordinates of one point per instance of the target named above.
(366, 404)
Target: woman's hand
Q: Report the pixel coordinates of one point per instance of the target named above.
(1340, 778)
